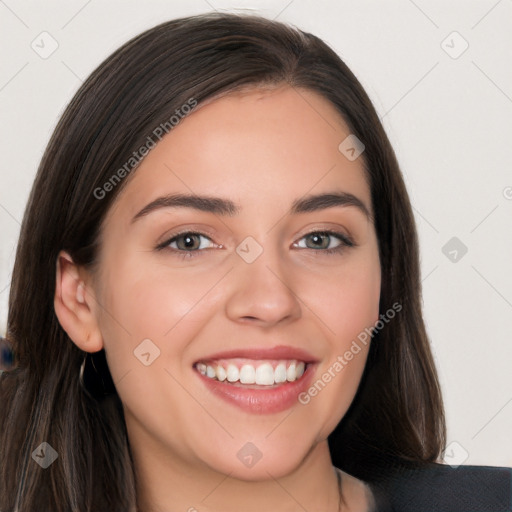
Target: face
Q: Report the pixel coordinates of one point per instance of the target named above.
(264, 284)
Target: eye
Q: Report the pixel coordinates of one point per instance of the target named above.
(187, 243)
(321, 241)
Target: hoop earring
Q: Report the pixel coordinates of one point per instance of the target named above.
(94, 376)
(81, 381)
(81, 374)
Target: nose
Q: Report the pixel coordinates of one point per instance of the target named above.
(262, 292)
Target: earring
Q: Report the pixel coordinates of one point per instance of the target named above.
(94, 376)
(81, 374)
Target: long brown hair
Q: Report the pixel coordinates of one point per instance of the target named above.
(397, 415)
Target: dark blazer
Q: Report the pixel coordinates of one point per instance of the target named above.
(441, 488)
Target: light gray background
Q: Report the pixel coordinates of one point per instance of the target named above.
(449, 120)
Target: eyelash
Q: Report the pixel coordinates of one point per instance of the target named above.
(345, 242)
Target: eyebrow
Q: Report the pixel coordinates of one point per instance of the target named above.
(226, 207)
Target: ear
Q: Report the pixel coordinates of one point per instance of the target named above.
(74, 305)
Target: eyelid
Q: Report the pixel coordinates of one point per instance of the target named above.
(346, 242)
(171, 238)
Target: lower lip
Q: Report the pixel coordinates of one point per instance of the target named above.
(265, 400)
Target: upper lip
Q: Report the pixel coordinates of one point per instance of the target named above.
(276, 353)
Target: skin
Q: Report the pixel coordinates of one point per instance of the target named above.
(262, 149)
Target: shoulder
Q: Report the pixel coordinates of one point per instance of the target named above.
(442, 488)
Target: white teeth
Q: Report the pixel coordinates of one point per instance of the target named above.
(262, 374)
(247, 374)
(265, 375)
(280, 373)
(232, 373)
(221, 373)
(291, 373)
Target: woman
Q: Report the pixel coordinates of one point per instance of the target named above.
(282, 363)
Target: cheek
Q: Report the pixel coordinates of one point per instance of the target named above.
(142, 302)
(354, 305)
(347, 306)
(148, 318)
(347, 298)
(147, 300)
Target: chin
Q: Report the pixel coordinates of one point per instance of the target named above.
(259, 460)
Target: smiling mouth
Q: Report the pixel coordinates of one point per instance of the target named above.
(253, 373)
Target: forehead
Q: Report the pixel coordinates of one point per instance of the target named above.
(261, 147)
